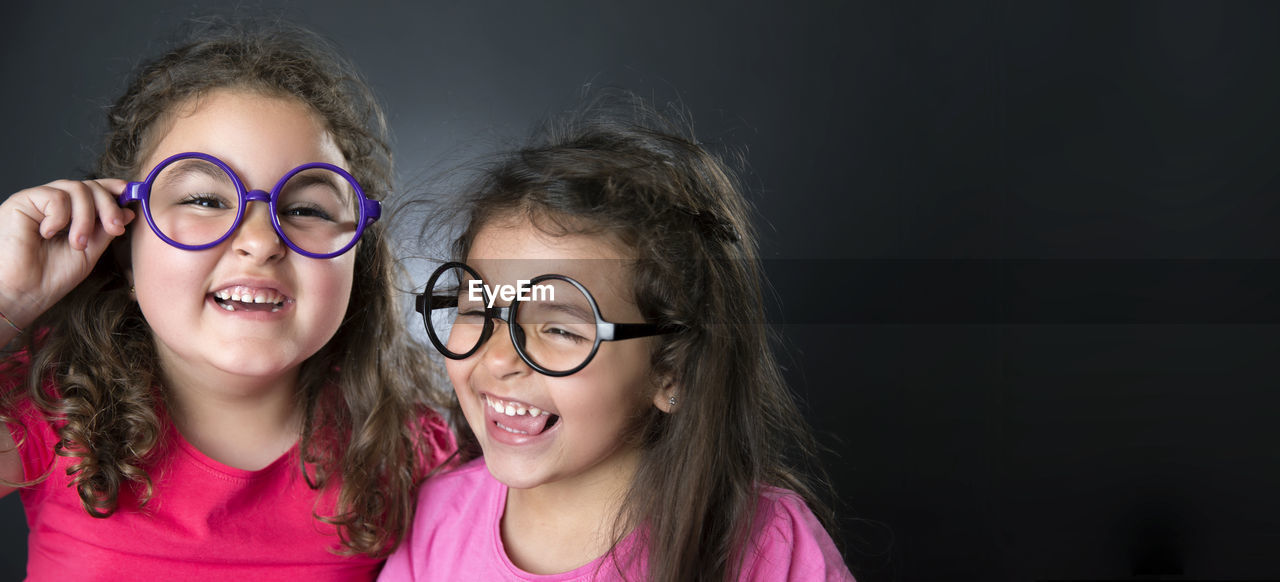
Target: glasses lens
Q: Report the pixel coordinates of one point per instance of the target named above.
(558, 324)
(193, 201)
(455, 314)
(319, 210)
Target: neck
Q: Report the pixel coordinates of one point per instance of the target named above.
(244, 422)
(559, 526)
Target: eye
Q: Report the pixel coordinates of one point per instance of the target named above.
(204, 201)
(469, 315)
(563, 334)
(307, 211)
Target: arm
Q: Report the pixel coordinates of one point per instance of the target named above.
(50, 238)
(10, 462)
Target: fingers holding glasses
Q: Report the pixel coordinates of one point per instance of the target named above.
(51, 236)
(80, 210)
(111, 215)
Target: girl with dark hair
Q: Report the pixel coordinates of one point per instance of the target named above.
(214, 379)
(603, 329)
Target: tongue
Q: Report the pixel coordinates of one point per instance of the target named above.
(242, 306)
(530, 424)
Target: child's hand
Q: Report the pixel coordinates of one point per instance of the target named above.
(50, 238)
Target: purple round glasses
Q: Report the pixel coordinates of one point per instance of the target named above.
(194, 201)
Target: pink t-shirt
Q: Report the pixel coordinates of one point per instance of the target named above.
(205, 521)
(456, 535)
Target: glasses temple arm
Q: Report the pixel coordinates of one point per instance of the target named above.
(132, 193)
(622, 331)
(437, 302)
(372, 211)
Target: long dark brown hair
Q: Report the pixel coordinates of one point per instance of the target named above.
(363, 394)
(620, 169)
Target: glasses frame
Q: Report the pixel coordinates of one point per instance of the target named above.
(370, 210)
(606, 331)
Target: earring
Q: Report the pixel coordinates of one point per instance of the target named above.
(672, 400)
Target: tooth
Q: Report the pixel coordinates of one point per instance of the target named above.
(227, 306)
(520, 410)
(510, 411)
(275, 309)
(509, 429)
(533, 411)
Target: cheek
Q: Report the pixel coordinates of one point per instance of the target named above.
(157, 269)
(333, 281)
(631, 370)
(613, 391)
(459, 371)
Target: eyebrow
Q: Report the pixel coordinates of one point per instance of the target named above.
(578, 311)
(186, 167)
(323, 178)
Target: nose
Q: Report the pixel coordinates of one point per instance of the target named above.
(499, 356)
(256, 238)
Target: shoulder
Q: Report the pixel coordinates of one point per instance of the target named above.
(789, 543)
(450, 486)
(458, 496)
(454, 528)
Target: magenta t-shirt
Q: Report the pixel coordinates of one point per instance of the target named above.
(456, 535)
(205, 521)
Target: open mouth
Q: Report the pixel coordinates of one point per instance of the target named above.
(520, 418)
(241, 298)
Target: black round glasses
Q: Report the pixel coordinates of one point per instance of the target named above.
(554, 322)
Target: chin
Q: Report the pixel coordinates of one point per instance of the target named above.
(258, 364)
(512, 478)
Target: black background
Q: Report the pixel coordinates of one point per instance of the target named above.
(1023, 252)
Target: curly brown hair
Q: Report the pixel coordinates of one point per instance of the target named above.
(363, 395)
(620, 169)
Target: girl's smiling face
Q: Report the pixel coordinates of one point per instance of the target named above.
(181, 293)
(581, 436)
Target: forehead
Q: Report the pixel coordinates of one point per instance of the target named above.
(505, 251)
(257, 134)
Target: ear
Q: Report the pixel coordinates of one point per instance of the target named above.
(127, 273)
(667, 396)
(119, 250)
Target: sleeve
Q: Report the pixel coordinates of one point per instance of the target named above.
(791, 544)
(438, 443)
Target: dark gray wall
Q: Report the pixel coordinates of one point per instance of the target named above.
(1023, 252)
